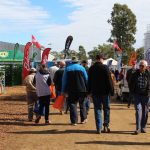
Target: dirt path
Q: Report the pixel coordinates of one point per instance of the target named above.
(17, 134)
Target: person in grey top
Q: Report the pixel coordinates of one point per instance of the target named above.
(43, 81)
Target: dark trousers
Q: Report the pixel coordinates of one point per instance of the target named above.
(31, 100)
(141, 108)
(44, 102)
(72, 101)
(130, 99)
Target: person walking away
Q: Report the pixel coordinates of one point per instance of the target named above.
(100, 87)
(75, 85)
(52, 71)
(58, 79)
(43, 81)
(87, 99)
(31, 92)
(140, 87)
(128, 78)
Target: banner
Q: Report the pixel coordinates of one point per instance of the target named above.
(67, 45)
(132, 58)
(45, 55)
(26, 60)
(16, 48)
(36, 43)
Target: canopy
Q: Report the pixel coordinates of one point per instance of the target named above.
(113, 62)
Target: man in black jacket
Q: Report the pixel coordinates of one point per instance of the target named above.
(128, 78)
(140, 87)
(100, 86)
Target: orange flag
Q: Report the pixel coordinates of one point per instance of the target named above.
(132, 58)
(59, 102)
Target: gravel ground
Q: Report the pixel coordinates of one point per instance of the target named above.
(18, 134)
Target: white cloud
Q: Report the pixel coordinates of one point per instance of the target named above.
(88, 22)
(15, 14)
(89, 25)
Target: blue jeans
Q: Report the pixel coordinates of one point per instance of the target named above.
(87, 105)
(72, 101)
(141, 108)
(98, 102)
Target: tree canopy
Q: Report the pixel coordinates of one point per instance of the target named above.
(123, 23)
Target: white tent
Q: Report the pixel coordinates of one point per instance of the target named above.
(113, 63)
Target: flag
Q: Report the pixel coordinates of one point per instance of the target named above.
(67, 45)
(16, 48)
(36, 43)
(132, 58)
(26, 60)
(116, 47)
(45, 55)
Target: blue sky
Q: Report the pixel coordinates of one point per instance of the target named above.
(51, 21)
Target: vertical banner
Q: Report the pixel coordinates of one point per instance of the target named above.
(119, 63)
(16, 48)
(26, 60)
(45, 55)
(132, 58)
(67, 45)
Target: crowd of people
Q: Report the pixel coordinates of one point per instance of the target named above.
(80, 84)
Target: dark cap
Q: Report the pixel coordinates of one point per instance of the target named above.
(100, 56)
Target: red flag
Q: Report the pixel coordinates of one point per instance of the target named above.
(116, 47)
(45, 55)
(26, 60)
(36, 43)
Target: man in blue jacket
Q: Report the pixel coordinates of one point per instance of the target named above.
(74, 83)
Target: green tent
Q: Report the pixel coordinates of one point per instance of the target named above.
(9, 56)
(12, 64)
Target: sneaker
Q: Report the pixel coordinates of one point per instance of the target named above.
(99, 131)
(61, 112)
(106, 129)
(83, 122)
(37, 119)
(48, 122)
(143, 130)
(137, 131)
(74, 124)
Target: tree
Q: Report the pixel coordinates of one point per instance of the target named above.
(82, 53)
(140, 53)
(106, 49)
(123, 23)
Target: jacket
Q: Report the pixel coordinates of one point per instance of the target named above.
(134, 83)
(28, 82)
(74, 79)
(99, 80)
